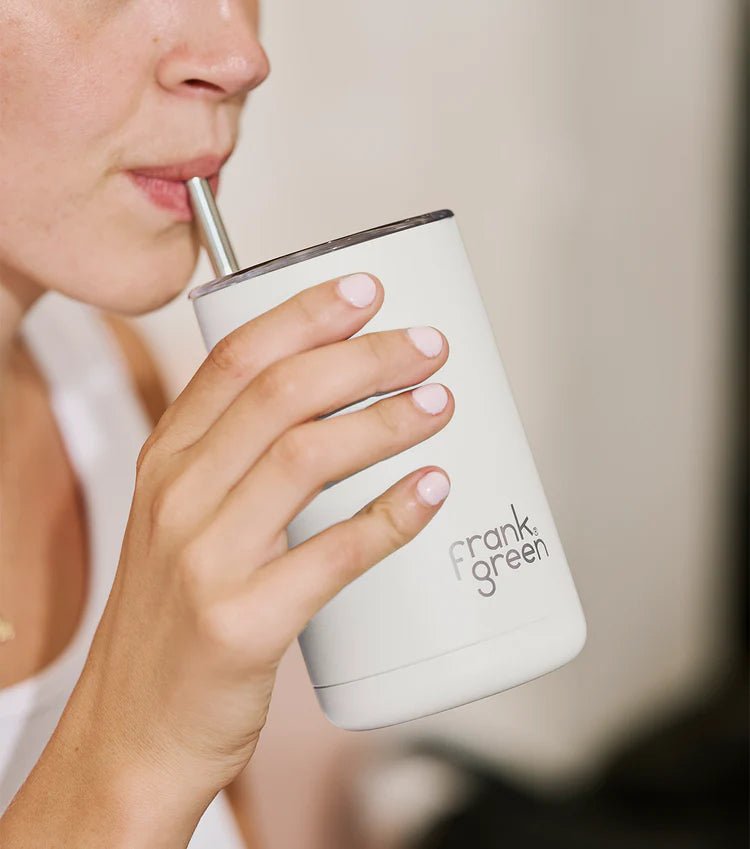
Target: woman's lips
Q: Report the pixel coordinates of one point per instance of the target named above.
(165, 185)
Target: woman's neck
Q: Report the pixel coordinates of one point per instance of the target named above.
(16, 299)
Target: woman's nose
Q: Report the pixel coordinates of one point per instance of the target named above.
(216, 54)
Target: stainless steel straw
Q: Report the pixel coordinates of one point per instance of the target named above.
(215, 238)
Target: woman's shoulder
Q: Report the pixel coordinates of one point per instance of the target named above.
(144, 373)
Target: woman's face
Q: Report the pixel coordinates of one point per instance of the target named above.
(106, 107)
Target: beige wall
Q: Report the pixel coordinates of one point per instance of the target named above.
(585, 147)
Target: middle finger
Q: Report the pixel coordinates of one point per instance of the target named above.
(307, 385)
(312, 454)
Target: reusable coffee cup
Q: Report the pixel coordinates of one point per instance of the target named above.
(481, 599)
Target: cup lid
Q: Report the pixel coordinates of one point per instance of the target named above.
(317, 250)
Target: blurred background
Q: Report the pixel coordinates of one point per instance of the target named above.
(592, 152)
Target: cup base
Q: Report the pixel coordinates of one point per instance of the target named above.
(456, 678)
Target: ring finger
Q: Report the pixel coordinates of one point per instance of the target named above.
(308, 456)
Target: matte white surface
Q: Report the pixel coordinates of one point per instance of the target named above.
(416, 604)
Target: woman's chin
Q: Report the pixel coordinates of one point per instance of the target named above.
(145, 296)
(143, 290)
(128, 268)
(141, 281)
(132, 304)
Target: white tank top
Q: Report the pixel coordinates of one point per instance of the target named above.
(103, 426)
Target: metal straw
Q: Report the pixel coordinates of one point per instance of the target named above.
(215, 238)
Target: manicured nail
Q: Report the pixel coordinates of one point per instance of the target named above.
(427, 340)
(358, 289)
(433, 488)
(432, 398)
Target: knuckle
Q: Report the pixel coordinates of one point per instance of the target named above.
(346, 558)
(395, 426)
(393, 524)
(155, 449)
(375, 351)
(145, 455)
(229, 357)
(275, 384)
(168, 504)
(217, 625)
(297, 452)
(194, 570)
(307, 314)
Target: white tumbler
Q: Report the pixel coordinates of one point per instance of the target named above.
(482, 599)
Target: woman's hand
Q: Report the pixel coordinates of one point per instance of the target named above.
(207, 596)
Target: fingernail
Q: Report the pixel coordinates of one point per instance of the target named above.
(432, 398)
(433, 488)
(358, 289)
(427, 340)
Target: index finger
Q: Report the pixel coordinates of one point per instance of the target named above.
(328, 312)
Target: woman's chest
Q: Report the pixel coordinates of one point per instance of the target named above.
(43, 548)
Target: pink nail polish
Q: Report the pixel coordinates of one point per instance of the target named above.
(432, 398)
(358, 289)
(433, 488)
(427, 340)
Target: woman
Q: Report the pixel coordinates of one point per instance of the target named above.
(106, 108)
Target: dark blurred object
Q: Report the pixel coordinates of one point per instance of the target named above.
(684, 784)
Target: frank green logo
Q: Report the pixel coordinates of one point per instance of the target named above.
(506, 546)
